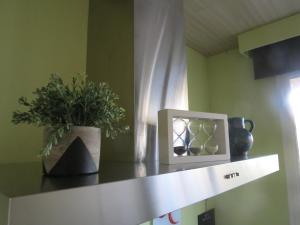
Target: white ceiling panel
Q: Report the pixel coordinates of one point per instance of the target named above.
(212, 26)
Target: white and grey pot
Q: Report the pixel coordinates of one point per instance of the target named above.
(78, 152)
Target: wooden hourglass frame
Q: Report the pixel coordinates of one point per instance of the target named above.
(186, 136)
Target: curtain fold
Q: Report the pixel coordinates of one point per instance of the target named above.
(290, 147)
(160, 69)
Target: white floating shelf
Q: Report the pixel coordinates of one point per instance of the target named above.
(123, 193)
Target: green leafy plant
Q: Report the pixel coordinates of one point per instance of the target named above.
(61, 106)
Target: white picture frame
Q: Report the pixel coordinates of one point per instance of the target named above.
(165, 134)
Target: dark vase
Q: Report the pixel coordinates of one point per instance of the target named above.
(240, 138)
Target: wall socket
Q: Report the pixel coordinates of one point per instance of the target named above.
(207, 218)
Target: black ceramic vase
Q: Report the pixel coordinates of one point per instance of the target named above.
(240, 138)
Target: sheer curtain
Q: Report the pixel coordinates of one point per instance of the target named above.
(160, 77)
(290, 146)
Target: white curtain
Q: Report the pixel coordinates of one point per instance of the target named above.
(290, 147)
(160, 79)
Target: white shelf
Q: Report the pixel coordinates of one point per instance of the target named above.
(123, 193)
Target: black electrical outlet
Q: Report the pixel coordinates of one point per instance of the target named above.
(207, 218)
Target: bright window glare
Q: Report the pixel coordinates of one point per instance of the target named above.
(294, 100)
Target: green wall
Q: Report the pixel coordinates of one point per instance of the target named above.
(231, 89)
(197, 81)
(4, 202)
(234, 91)
(37, 38)
(189, 215)
(110, 59)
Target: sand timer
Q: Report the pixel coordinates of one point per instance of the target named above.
(195, 145)
(210, 145)
(179, 136)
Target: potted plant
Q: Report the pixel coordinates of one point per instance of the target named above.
(73, 116)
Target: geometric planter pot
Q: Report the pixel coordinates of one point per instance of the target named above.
(78, 152)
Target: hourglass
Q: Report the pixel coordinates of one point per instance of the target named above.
(210, 145)
(186, 136)
(179, 136)
(195, 146)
